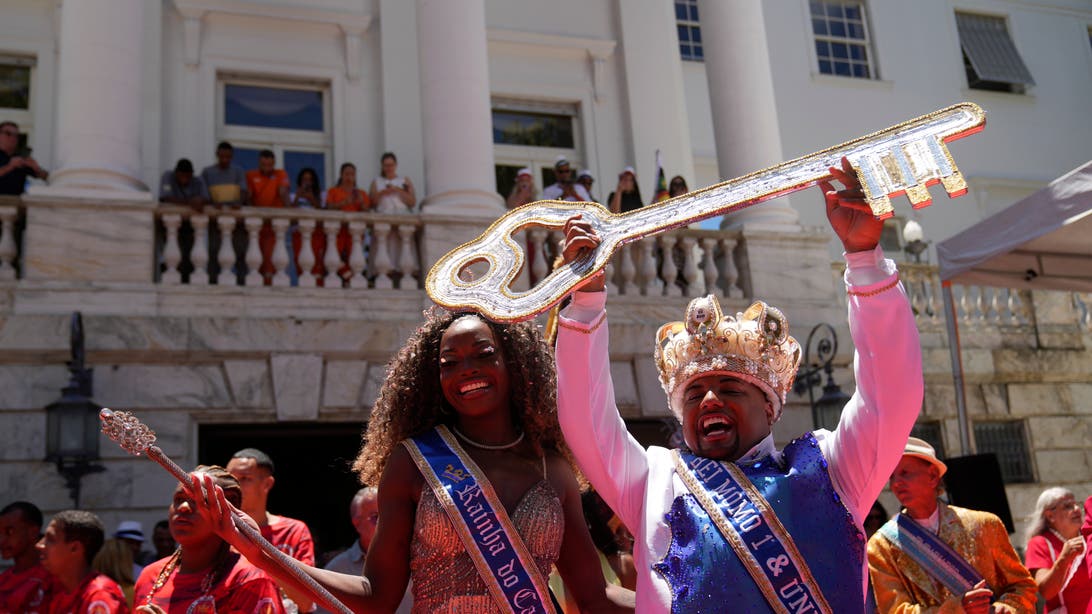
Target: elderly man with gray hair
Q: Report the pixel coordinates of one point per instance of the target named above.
(364, 513)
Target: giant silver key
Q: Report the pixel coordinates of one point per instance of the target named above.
(903, 159)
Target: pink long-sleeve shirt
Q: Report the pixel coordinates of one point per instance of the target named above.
(640, 485)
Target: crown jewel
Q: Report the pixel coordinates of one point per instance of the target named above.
(754, 345)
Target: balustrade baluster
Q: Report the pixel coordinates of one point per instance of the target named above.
(356, 255)
(536, 252)
(731, 273)
(172, 254)
(407, 257)
(280, 252)
(382, 256)
(7, 242)
(695, 283)
(199, 255)
(306, 259)
(630, 255)
(647, 282)
(966, 313)
(934, 307)
(669, 271)
(914, 285)
(331, 260)
(226, 255)
(994, 307)
(253, 251)
(709, 266)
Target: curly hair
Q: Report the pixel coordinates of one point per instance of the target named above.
(411, 402)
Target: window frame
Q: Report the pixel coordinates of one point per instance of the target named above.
(870, 62)
(937, 443)
(279, 140)
(532, 156)
(23, 117)
(1004, 87)
(691, 26)
(1025, 442)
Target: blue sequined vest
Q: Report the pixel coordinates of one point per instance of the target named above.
(706, 576)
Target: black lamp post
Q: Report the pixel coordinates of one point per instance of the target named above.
(72, 421)
(825, 410)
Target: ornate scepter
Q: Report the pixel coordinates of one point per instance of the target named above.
(136, 438)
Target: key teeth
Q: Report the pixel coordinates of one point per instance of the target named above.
(881, 206)
(954, 184)
(918, 196)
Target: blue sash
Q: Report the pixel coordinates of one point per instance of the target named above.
(935, 557)
(746, 521)
(498, 552)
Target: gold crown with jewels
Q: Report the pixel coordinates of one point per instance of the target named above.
(754, 346)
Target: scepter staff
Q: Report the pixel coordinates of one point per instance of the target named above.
(138, 439)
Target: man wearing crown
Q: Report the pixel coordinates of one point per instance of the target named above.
(731, 523)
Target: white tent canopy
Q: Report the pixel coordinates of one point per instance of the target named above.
(1043, 242)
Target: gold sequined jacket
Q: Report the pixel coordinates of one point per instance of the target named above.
(902, 586)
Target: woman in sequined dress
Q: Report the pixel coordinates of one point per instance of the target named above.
(494, 387)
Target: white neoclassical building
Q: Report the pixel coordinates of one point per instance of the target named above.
(110, 93)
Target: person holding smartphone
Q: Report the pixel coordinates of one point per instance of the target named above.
(16, 166)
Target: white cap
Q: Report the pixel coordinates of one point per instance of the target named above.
(629, 169)
(524, 171)
(585, 173)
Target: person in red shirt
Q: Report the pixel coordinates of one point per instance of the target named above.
(267, 186)
(24, 587)
(1057, 552)
(254, 471)
(70, 543)
(204, 574)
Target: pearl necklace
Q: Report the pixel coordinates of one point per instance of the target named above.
(485, 446)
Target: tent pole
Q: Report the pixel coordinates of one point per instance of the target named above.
(951, 321)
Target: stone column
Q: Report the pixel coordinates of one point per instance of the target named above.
(99, 106)
(655, 96)
(456, 123)
(455, 114)
(741, 94)
(94, 221)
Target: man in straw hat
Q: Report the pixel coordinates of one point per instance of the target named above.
(732, 523)
(935, 555)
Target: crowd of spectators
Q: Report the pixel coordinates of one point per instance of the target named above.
(70, 563)
(225, 183)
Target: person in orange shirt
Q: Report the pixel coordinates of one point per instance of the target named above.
(346, 196)
(267, 186)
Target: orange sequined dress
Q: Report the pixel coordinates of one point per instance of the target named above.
(444, 577)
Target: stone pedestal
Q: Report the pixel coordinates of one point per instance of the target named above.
(89, 240)
(790, 270)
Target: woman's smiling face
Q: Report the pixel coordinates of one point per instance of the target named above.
(473, 374)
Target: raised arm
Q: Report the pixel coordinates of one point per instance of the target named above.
(610, 458)
(874, 425)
